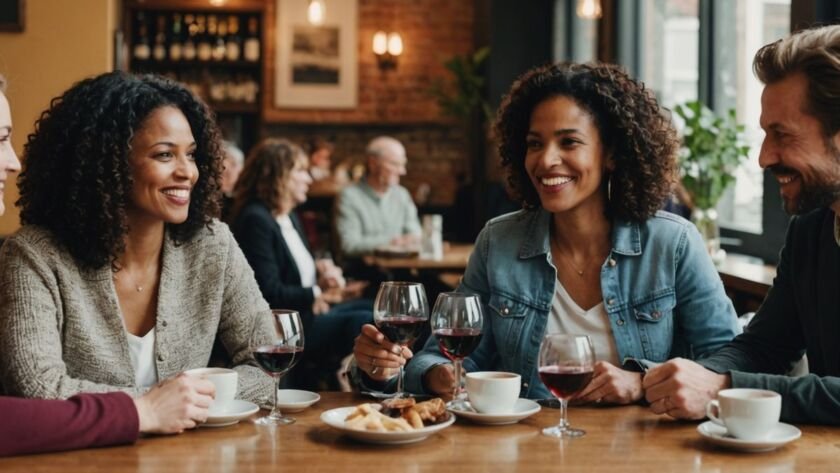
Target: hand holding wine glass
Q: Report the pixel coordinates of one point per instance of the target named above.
(277, 347)
(566, 366)
(457, 321)
(400, 312)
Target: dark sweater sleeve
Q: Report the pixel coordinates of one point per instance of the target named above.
(84, 420)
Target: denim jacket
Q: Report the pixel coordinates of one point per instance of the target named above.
(661, 292)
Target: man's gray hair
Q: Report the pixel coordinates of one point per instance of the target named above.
(232, 151)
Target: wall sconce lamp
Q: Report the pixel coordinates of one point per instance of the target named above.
(387, 47)
(315, 12)
(589, 9)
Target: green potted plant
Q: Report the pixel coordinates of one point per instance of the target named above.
(713, 147)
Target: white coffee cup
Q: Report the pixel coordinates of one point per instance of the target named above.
(747, 414)
(225, 380)
(493, 392)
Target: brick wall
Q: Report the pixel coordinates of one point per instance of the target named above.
(395, 102)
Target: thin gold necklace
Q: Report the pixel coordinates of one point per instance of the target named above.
(569, 260)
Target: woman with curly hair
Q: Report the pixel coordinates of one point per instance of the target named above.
(120, 277)
(274, 181)
(592, 158)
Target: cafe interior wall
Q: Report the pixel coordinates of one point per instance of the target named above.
(395, 101)
(63, 42)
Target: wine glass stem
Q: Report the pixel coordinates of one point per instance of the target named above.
(457, 364)
(275, 411)
(400, 382)
(564, 407)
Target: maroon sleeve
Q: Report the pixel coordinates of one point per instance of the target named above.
(84, 420)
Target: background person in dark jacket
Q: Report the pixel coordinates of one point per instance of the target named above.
(274, 181)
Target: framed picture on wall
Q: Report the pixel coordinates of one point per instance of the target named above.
(316, 64)
(12, 15)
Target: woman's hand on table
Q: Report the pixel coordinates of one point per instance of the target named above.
(377, 356)
(611, 384)
(175, 404)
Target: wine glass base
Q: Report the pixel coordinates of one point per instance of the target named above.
(566, 432)
(460, 404)
(282, 420)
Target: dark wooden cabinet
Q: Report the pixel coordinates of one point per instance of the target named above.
(216, 48)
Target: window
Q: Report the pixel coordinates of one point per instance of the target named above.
(735, 41)
(689, 49)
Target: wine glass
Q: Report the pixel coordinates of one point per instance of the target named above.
(400, 311)
(277, 345)
(457, 321)
(566, 366)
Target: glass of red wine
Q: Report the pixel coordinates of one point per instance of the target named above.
(400, 311)
(457, 320)
(277, 346)
(566, 366)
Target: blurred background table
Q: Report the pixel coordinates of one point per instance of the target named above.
(455, 258)
(618, 439)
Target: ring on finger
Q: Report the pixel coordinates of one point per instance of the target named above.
(374, 368)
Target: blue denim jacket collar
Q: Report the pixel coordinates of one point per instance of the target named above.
(626, 237)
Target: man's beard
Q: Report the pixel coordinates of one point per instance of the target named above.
(824, 192)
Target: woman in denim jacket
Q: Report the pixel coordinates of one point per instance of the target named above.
(592, 158)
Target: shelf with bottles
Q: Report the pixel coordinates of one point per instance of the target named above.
(195, 37)
(231, 92)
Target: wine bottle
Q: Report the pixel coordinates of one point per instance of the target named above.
(159, 51)
(192, 31)
(204, 49)
(233, 48)
(142, 51)
(219, 48)
(252, 44)
(175, 41)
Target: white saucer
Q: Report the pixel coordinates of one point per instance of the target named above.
(335, 419)
(522, 409)
(295, 400)
(780, 435)
(230, 414)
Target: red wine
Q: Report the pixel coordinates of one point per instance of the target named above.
(277, 360)
(458, 342)
(565, 381)
(402, 330)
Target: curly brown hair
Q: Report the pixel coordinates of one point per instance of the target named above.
(266, 169)
(639, 137)
(76, 179)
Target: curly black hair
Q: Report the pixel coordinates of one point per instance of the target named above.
(76, 179)
(639, 137)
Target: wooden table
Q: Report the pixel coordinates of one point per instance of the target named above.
(455, 257)
(619, 439)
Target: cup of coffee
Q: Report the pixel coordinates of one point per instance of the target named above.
(747, 414)
(493, 392)
(225, 380)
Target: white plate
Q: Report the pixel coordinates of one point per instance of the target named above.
(335, 419)
(780, 435)
(522, 409)
(232, 413)
(295, 400)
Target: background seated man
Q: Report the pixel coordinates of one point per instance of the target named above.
(802, 148)
(377, 211)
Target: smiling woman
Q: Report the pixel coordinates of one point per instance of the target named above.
(589, 152)
(120, 277)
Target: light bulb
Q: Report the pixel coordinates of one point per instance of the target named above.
(380, 43)
(589, 9)
(395, 44)
(315, 12)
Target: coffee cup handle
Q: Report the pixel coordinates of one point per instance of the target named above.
(713, 412)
